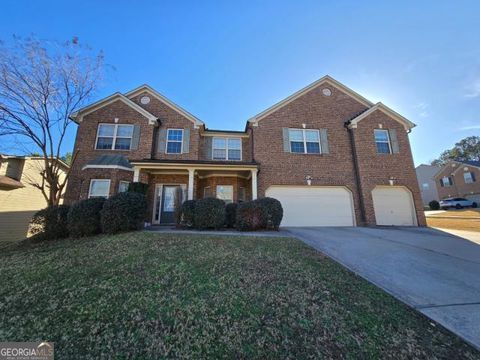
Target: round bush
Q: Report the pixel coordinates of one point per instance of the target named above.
(250, 216)
(123, 212)
(50, 223)
(187, 214)
(84, 217)
(138, 187)
(273, 212)
(231, 215)
(434, 205)
(209, 213)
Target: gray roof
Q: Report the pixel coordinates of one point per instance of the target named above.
(473, 163)
(117, 160)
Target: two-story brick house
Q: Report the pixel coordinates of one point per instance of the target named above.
(328, 154)
(459, 179)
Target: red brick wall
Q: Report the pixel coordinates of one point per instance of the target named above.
(213, 181)
(459, 187)
(316, 111)
(377, 169)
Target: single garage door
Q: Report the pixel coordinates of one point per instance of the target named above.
(393, 205)
(314, 206)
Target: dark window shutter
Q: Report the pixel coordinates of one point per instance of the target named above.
(135, 137)
(450, 180)
(473, 177)
(186, 140)
(324, 141)
(394, 141)
(162, 135)
(208, 148)
(286, 140)
(441, 183)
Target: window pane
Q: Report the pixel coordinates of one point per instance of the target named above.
(233, 154)
(175, 135)
(311, 135)
(99, 188)
(234, 144)
(104, 143)
(383, 148)
(381, 135)
(219, 154)
(174, 147)
(297, 147)
(123, 186)
(106, 130)
(122, 143)
(313, 148)
(296, 135)
(125, 130)
(468, 177)
(219, 143)
(225, 193)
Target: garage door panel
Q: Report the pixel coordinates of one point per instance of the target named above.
(314, 206)
(393, 206)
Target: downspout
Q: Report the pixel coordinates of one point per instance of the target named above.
(356, 173)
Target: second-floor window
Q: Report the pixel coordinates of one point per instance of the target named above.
(227, 149)
(446, 181)
(174, 141)
(114, 137)
(304, 141)
(382, 141)
(469, 177)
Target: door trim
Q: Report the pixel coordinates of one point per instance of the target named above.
(157, 198)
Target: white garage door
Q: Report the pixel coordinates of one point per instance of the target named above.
(393, 206)
(314, 206)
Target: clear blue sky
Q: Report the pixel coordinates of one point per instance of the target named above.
(226, 61)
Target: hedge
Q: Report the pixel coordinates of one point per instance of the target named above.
(84, 217)
(273, 212)
(50, 223)
(123, 212)
(231, 215)
(261, 214)
(434, 205)
(138, 187)
(209, 213)
(187, 214)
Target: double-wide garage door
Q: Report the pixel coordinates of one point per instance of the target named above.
(314, 206)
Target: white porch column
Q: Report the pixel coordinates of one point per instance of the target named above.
(254, 184)
(136, 174)
(191, 173)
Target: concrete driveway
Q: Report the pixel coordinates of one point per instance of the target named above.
(435, 272)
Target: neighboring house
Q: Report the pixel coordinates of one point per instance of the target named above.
(426, 182)
(459, 179)
(328, 154)
(19, 200)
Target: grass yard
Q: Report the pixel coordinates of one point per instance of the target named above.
(146, 295)
(465, 219)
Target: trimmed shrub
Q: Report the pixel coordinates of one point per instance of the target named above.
(138, 187)
(209, 213)
(231, 215)
(123, 212)
(273, 212)
(84, 217)
(250, 216)
(187, 214)
(434, 205)
(50, 223)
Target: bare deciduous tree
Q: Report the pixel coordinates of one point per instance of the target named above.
(41, 84)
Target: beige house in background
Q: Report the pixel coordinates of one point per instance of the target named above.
(19, 200)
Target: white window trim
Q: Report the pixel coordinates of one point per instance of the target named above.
(450, 183)
(123, 181)
(389, 142)
(176, 141)
(91, 183)
(216, 191)
(471, 177)
(114, 136)
(304, 134)
(227, 139)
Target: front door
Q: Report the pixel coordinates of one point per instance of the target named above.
(167, 206)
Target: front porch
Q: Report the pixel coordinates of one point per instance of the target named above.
(172, 183)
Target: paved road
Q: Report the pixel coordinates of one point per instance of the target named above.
(435, 272)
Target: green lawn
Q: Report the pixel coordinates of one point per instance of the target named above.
(147, 295)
